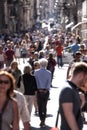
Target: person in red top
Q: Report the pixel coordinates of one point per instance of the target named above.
(59, 50)
(9, 53)
(56, 42)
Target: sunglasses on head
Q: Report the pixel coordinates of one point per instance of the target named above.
(4, 81)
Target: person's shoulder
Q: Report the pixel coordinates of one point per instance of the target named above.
(71, 62)
(48, 71)
(36, 71)
(65, 87)
(18, 95)
(66, 90)
(14, 102)
(17, 92)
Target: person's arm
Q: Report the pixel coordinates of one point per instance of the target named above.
(18, 83)
(82, 98)
(26, 125)
(24, 114)
(69, 115)
(68, 72)
(16, 117)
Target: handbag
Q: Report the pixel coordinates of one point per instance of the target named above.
(21, 89)
(56, 123)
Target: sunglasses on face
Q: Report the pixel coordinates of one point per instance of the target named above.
(4, 81)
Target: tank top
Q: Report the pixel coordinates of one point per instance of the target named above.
(7, 117)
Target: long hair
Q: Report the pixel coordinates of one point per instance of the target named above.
(12, 82)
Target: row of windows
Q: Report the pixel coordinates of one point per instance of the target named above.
(12, 1)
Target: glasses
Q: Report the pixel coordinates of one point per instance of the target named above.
(4, 81)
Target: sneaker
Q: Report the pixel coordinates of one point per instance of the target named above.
(36, 112)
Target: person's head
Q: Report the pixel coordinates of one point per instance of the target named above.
(36, 65)
(9, 46)
(7, 83)
(27, 69)
(78, 55)
(79, 74)
(43, 62)
(51, 55)
(36, 55)
(14, 65)
(41, 54)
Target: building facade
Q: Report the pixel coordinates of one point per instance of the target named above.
(16, 15)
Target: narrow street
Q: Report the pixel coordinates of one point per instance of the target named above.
(59, 77)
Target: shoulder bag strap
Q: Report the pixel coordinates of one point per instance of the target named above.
(57, 118)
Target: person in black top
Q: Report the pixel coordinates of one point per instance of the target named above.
(70, 101)
(30, 86)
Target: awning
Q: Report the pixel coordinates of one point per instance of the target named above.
(69, 25)
(85, 30)
(78, 24)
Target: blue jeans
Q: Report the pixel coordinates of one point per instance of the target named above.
(59, 61)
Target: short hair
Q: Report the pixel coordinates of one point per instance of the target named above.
(43, 62)
(80, 67)
(36, 63)
(78, 53)
(27, 69)
(50, 55)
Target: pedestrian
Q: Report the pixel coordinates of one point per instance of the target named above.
(36, 67)
(76, 58)
(51, 63)
(17, 52)
(2, 57)
(9, 119)
(24, 51)
(9, 54)
(14, 69)
(32, 59)
(41, 54)
(43, 80)
(69, 99)
(30, 87)
(75, 47)
(23, 110)
(59, 52)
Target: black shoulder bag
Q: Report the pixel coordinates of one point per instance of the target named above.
(2, 111)
(57, 119)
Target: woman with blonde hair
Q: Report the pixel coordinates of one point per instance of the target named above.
(14, 69)
(29, 86)
(9, 119)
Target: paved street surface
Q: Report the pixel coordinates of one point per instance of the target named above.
(59, 77)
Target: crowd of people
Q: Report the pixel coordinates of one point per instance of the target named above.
(42, 56)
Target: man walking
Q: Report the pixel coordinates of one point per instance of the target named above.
(43, 80)
(69, 99)
(59, 51)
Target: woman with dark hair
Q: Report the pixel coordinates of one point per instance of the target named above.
(9, 119)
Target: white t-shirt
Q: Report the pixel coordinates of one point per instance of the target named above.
(22, 106)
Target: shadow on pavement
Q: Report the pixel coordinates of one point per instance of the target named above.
(54, 87)
(48, 115)
(44, 128)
